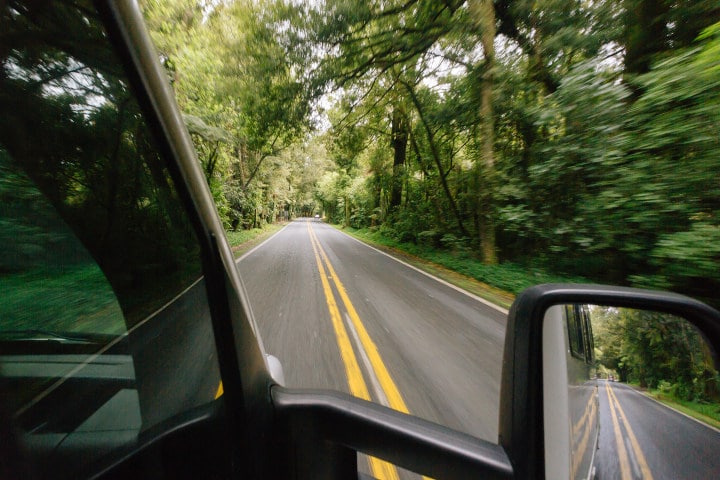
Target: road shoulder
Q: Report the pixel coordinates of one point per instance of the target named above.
(679, 409)
(497, 298)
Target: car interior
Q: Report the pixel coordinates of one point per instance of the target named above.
(95, 375)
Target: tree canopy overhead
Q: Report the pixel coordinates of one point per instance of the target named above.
(580, 136)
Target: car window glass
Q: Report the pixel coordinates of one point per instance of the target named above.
(105, 327)
(50, 282)
(575, 331)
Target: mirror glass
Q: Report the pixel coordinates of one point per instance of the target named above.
(628, 394)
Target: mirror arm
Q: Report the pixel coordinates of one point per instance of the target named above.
(403, 440)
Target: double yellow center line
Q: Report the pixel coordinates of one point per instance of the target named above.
(585, 426)
(618, 416)
(368, 349)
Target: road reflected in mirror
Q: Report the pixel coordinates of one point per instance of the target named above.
(656, 411)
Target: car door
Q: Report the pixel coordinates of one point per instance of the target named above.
(106, 339)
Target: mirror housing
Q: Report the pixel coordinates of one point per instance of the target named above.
(521, 431)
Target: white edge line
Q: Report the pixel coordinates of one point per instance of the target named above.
(595, 444)
(430, 275)
(253, 323)
(239, 259)
(646, 395)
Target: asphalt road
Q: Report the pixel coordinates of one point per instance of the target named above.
(655, 441)
(341, 315)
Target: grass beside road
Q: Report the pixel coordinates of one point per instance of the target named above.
(708, 413)
(496, 283)
(243, 241)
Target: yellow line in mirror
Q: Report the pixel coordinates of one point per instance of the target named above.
(586, 424)
(642, 462)
(622, 453)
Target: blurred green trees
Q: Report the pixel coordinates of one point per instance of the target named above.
(656, 351)
(89, 212)
(583, 137)
(245, 105)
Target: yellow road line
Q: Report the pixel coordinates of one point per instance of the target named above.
(352, 368)
(219, 391)
(588, 413)
(589, 416)
(644, 468)
(380, 469)
(622, 453)
(392, 392)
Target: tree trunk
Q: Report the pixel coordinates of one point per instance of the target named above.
(442, 175)
(346, 222)
(645, 33)
(242, 158)
(399, 143)
(484, 13)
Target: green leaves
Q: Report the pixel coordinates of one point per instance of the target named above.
(654, 350)
(244, 101)
(583, 157)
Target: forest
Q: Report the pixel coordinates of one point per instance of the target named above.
(656, 351)
(580, 137)
(79, 169)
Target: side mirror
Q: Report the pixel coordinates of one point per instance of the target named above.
(581, 366)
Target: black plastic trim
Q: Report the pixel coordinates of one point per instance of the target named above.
(154, 454)
(125, 26)
(403, 440)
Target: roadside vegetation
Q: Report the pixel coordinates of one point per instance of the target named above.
(575, 138)
(242, 241)
(661, 355)
(703, 411)
(458, 265)
(66, 299)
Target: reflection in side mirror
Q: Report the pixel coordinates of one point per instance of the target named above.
(628, 394)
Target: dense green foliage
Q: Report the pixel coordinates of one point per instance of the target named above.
(242, 241)
(77, 298)
(49, 280)
(656, 351)
(453, 254)
(244, 104)
(84, 190)
(579, 137)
